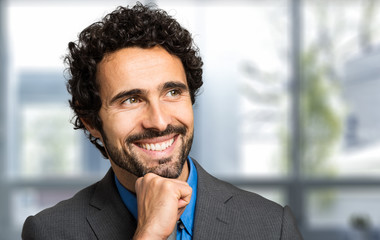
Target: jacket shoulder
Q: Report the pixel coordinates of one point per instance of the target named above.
(56, 220)
(253, 203)
(249, 215)
(76, 205)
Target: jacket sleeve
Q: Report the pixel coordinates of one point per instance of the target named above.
(289, 230)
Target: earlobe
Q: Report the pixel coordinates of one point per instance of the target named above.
(93, 131)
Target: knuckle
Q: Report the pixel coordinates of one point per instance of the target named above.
(148, 176)
(154, 181)
(167, 185)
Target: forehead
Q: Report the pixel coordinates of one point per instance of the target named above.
(135, 67)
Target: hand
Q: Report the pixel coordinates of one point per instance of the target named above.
(160, 202)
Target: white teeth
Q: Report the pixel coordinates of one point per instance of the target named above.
(157, 146)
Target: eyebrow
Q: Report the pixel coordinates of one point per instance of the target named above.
(137, 91)
(126, 94)
(179, 85)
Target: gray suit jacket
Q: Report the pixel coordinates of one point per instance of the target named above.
(222, 212)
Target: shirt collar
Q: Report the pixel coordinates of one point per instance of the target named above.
(128, 198)
(187, 216)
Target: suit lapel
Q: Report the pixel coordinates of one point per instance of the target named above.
(110, 219)
(213, 218)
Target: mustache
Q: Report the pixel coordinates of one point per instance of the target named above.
(151, 133)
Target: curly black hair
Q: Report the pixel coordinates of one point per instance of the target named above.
(143, 26)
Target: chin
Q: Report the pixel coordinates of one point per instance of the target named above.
(169, 173)
(168, 170)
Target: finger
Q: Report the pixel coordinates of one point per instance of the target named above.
(180, 212)
(185, 195)
(182, 203)
(138, 184)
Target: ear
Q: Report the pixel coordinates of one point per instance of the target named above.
(94, 132)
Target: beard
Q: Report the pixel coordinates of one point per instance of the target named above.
(170, 167)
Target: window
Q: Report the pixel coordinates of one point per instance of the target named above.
(288, 108)
(340, 82)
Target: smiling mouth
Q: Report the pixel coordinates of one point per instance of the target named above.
(157, 146)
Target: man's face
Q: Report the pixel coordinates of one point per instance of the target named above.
(146, 111)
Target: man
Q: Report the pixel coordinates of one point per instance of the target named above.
(134, 79)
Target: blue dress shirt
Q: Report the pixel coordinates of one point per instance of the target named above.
(185, 227)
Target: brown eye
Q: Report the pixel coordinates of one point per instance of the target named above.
(173, 93)
(131, 100)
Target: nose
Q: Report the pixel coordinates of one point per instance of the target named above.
(157, 117)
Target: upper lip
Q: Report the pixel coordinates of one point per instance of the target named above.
(156, 139)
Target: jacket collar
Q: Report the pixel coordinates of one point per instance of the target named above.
(213, 216)
(110, 218)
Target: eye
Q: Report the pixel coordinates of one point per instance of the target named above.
(174, 93)
(131, 100)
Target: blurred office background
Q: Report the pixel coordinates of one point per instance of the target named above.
(289, 107)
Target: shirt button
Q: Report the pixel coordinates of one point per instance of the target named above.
(181, 226)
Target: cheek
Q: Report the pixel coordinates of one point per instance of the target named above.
(185, 115)
(118, 126)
